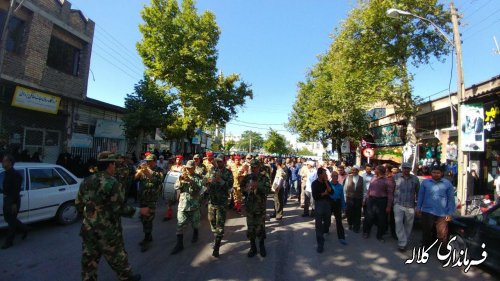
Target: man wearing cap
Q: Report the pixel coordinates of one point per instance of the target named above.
(101, 201)
(189, 186)
(238, 174)
(177, 167)
(209, 162)
(405, 194)
(354, 189)
(278, 188)
(200, 168)
(436, 204)
(150, 178)
(256, 187)
(220, 181)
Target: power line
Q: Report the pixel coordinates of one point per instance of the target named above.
(472, 13)
(117, 67)
(120, 54)
(481, 30)
(116, 41)
(483, 20)
(263, 124)
(253, 127)
(118, 60)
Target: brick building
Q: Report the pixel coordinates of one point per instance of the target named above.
(43, 82)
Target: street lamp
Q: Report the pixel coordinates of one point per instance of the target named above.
(457, 46)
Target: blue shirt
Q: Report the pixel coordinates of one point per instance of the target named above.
(436, 197)
(293, 171)
(338, 193)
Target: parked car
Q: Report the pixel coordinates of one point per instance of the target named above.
(48, 191)
(473, 231)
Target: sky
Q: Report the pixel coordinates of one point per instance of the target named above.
(272, 45)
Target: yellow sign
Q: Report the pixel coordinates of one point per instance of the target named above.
(34, 100)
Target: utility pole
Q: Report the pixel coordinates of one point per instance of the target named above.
(250, 144)
(462, 157)
(497, 51)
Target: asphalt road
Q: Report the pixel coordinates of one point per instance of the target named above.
(53, 252)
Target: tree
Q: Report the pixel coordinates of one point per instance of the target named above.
(250, 141)
(179, 48)
(149, 107)
(229, 144)
(276, 143)
(367, 62)
(304, 152)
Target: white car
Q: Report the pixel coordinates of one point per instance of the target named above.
(48, 191)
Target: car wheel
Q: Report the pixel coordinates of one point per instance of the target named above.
(67, 213)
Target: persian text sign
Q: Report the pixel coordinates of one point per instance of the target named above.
(109, 129)
(34, 100)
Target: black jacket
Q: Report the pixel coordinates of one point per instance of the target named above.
(12, 186)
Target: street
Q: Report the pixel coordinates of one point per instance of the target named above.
(53, 252)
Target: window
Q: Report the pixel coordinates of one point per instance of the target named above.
(63, 56)
(2, 177)
(15, 32)
(44, 178)
(69, 179)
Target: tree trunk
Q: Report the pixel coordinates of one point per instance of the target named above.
(138, 144)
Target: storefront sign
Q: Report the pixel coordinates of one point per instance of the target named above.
(492, 120)
(81, 140)
(472, 127)
(34, 100)
(389, 153)
(109, 129)
(388, 135)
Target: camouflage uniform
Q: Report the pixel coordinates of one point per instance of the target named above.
(122, 174)
(237, 195)
(149, 194)
(218, 200)
(101, 200)
(256, 205)
(189, 201)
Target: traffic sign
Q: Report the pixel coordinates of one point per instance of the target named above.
(368, 152)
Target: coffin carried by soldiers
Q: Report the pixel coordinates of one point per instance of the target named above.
(169, 192)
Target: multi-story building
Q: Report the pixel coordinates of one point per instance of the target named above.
(43, 83)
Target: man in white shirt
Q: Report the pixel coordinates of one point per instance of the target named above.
(309, 200)
(162, 164)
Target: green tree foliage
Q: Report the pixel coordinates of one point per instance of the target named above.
(229, 144)
(276, 143)
(149, 107)
(304, 152)
(250, 137)
(179, 48)
(367, 62)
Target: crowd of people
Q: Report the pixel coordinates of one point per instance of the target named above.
(387, 197)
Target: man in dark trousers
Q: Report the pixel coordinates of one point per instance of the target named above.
(12, 201)
(379, 203)
(320, 192)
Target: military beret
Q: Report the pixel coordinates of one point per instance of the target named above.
(237, 156)
(210, 154)
(179, 156)
(107, 156)
(150, 157)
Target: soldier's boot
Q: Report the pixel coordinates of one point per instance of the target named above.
(195, 236)
(148, 238)
(253, 249)
(134, 277)
(218, 241)
(262, 248)
(179, 246)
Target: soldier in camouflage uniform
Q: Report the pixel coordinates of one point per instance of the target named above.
(189, 185)
(101, 201)
(209, 161)
(123, 175)
(220, 181)
(256, 187)
(151, 178)
(238, 174)
(200, 168)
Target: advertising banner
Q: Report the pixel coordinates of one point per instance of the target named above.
(109, 129)
(472, 127)
(81, 140)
